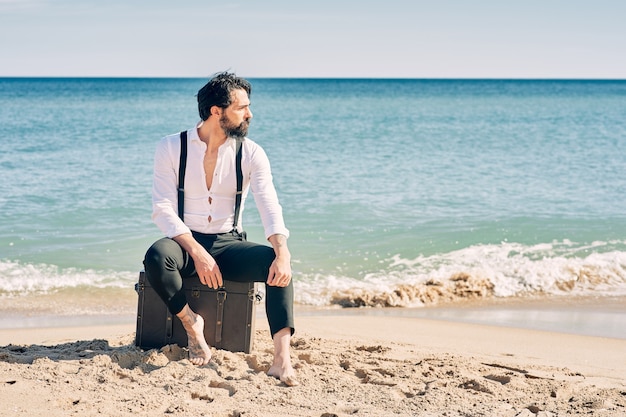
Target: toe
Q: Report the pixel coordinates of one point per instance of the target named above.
(290, 381)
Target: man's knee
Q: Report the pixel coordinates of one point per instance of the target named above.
(162, 254)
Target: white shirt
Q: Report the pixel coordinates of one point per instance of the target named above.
(212, 211)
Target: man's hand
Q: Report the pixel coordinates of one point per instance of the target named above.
(280, 270)
(206, 267)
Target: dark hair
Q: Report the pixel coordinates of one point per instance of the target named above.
(217, 92)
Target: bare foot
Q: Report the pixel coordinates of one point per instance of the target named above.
(281, 368)
(286, 375)
(199, 351)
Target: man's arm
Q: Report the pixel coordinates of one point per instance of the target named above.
(165, 210)
(280, 270)
(206, 267)
(165, 186)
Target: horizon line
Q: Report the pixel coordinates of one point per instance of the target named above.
(137, 77)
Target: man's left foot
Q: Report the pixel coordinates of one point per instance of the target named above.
(286, 375)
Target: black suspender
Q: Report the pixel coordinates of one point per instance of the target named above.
(181, 178)
(239, 184)
(182, 166)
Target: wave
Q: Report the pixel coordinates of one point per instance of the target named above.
(17, 278)
(477, 272)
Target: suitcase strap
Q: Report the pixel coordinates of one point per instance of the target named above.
(221, 299)
(168, 327)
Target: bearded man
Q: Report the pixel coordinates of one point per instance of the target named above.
(209, 240)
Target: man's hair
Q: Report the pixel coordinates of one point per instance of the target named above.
(217, 92)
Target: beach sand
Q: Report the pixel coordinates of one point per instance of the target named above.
(351, 364)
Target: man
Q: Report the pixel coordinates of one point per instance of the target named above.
(206, 243)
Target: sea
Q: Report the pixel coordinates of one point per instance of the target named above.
(402, 196)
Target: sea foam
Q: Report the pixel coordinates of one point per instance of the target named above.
(482, 271)
(476, 272)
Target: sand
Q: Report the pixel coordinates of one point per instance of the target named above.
(348, 365)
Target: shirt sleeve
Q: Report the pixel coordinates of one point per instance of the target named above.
(165, 189)
(264, 193)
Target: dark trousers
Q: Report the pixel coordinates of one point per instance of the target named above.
(166, 265)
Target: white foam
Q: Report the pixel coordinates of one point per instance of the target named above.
(22, 278)
(500, 270)
(504, 270)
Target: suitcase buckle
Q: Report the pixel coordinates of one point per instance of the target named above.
(255, 297)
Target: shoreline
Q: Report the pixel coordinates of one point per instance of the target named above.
(586, 316)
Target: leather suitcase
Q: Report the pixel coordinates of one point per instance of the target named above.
(229, 315)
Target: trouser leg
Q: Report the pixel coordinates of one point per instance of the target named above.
(167, 264)
(246, 262)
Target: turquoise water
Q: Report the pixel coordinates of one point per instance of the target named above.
(396, 192)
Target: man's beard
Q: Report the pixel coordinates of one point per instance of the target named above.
(238, 132)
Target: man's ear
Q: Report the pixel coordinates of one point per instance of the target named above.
(216, 110)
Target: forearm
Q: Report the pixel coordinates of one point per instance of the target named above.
(279, 243)
(207, 269)
(189, 244)
(280, 270)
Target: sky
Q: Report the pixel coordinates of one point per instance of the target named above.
(314, 39)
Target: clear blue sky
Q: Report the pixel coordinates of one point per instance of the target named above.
(320, 38)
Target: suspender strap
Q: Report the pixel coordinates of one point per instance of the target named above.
(181, 175)
(239, 184)
(181, 178)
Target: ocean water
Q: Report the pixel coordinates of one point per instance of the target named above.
(401, 193)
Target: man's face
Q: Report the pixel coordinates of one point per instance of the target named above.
(235, 119)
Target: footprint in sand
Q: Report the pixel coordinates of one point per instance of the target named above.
(255, 365)
(202, 397)
(223, 385)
